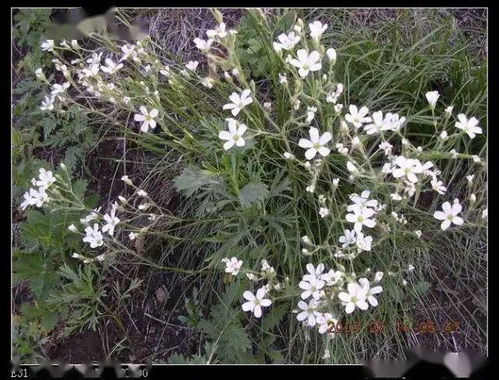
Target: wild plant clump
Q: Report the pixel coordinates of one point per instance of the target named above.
(309, 189)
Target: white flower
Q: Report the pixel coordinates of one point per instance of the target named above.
(48, 45)
(325, 321)
(74, 44)
(360, 217)
(407, 167)
(352, 168)
(347, 238)
(306, 239)
(356, 297)
(418, 233)
(33, 197)
(75, 255)
(323, 212)
(432, 97)
(165, 71)
(111, 67)
(129, 50)
(475, 158)
(392, 122)
(232, 265)
(309, 312)
(288, 156)
(40, 197)
(95, 58)
(312, 288)
(438, 186)
(331, 54)
(218, 32)
(203, 45)
(331, 277)
(207, 82)
(311, 113)
(336, 181)
(251, 277)
(386, 147)
(404, 282)
(396, 196)
(306, 62)
(59, 89)
(267, 105)
(143, 206)
(426, 168)
(377, 123)
(410, 267)
(72, 228)
(234, 135)
(363, 242)
(364, 282)
(378, 276)
(310, 188)
(286, 41)
(93, 236)
(92, 216)
(470, 178)
(238, 101)
(141, 193)
(362, 200)
(449, 215)
(39, 73)
(266, 268)
(127, 180)
(147, 118)
(470, 127)
(282, 78)
(355, 141)
(111, 222)
(255, 302)
(45, 178)
(448, 110)
(132, 236)
(357, 117)
(316, 29)
(333, 97)
(192, 65)
(313, 273)
(484, 214)
(101, 257)
(315, 144)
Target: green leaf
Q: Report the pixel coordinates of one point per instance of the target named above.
(395, 292)
(235, 340)
(180, 359)
(422, 287)
(274, 317)
(47, 316)
(38, 271)
(252, 193)
(80, 187)
(193, 178)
